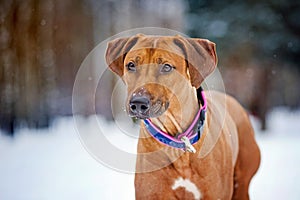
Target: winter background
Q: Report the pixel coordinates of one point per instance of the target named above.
(44, 42)
(53, 164)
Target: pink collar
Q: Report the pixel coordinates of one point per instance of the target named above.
(190, 136)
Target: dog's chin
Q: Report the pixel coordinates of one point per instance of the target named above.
(138, 116)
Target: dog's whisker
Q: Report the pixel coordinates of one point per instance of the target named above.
(156, 108)
(172, 118)
(159, 124)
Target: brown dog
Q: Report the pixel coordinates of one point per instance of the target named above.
(162, 75)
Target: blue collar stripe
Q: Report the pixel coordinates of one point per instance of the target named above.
(193, 134)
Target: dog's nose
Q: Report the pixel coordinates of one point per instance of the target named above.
(139, 105)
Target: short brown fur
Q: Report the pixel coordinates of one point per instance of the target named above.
(230, 156)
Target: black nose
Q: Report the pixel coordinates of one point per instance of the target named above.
(139, 105)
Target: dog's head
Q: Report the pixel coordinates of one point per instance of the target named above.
(156, 69)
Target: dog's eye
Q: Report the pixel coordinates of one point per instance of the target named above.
(131, 67)
(166, 68)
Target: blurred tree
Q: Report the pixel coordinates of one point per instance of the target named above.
(42, 44)
(271, 26)
(258, 45)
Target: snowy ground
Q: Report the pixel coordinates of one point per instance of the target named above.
(53, 164)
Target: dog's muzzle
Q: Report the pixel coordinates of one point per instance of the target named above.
(142, 105)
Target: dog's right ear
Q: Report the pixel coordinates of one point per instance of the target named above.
(116, 52)
(200, 55)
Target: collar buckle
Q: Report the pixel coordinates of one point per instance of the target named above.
(188, 146)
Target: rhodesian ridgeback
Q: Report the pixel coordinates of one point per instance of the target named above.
(193, 144)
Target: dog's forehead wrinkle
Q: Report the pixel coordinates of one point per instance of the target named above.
(155, 42)
(151, 53)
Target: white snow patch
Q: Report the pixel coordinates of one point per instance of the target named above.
(280, 157)
(53, 164)
(188, 185)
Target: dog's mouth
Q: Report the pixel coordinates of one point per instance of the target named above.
(142, 109)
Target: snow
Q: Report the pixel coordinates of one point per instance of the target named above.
(279, 173)
(53, 164)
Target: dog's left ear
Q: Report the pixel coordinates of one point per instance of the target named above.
(116, 52)
(201, 57)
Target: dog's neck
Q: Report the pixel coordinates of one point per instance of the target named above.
(182, 113)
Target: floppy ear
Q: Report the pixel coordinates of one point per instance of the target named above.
(116, 52)
(201, 57)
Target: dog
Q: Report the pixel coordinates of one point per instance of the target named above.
(193, 144)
